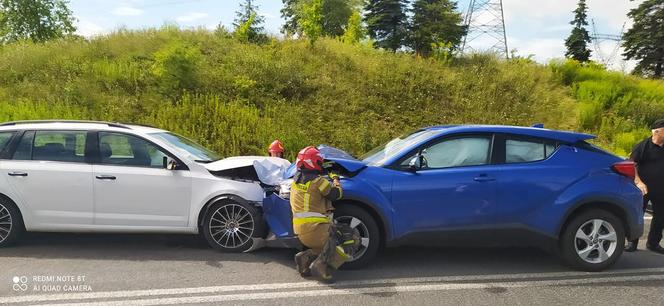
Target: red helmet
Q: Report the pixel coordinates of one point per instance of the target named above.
(309, 158)
(276, 147)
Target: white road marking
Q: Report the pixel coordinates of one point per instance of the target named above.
(310, 285)
(369, 290)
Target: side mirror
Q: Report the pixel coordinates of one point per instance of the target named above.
(170, 164)
(415, 163)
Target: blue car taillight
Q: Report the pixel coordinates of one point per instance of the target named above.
(626, 168)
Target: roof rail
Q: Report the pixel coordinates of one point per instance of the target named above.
(110, 124)
(139, 124)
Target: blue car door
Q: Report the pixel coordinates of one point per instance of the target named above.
(533, 173)
(454, 187)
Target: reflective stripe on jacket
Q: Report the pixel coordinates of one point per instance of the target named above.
(309, 202)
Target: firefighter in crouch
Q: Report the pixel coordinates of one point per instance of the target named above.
(311, 203)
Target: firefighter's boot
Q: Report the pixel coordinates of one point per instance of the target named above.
(303, 260)
(322, 271)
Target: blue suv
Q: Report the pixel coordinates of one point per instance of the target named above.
(482, 186)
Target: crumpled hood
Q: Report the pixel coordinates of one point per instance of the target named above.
(342, 158)
(270, 170)
(331, 152)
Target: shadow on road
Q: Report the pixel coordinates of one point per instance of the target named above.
(396, 262)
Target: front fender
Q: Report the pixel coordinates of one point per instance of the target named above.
(371, 195)
(207, 190)
(226, 196)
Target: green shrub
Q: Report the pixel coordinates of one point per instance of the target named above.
(617, 107)
(176, 66)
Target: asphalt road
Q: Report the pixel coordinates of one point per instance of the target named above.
(162, 269)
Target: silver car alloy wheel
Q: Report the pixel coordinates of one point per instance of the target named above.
(5, 223)
(231, 226)
(595, 241)
(360, 228)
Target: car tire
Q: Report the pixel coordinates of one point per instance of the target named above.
(230, 226)
(11, 223)
(367, 228)
(592, 240)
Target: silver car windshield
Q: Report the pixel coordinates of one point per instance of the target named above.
(188, 146)
(381, 154)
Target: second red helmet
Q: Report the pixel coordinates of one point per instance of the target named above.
(309, 158)
(276, 147)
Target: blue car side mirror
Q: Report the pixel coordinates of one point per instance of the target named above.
(415, 163)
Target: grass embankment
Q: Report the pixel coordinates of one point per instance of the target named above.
(236, 98)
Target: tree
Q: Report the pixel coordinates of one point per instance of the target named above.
(36, 20)
(334, 16)
(644, 42)
(311, 20)
(577, 42)
(355, 32)
(290, 15)
(386, 23)
(435, 23)
(248, 24)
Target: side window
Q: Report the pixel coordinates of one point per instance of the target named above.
(523, 151)
(24, 148)
(127, 150)
(5, 137)
(459, 152)
(64, 146)
(550, 148)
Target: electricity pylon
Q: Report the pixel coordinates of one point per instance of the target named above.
(598, 39)
(485, 22)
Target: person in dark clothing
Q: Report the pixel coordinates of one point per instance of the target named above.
(649, 158)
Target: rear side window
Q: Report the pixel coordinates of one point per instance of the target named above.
(523, 151)
(5, 137)
(24, 148)
(62, 146)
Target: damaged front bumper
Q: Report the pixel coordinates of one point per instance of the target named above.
(277, 214)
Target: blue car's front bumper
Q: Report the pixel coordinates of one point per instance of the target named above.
(278, 216)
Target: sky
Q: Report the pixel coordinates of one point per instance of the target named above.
(533, 27)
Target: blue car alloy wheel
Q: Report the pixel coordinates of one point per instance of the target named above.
(365, 227)
(593, 240)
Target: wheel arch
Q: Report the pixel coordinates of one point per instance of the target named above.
(603, 204)
(383, 225)
(217, 199)
(18, 208)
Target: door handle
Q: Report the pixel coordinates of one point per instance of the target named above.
(17, 174)
(106, 177)
(484, 178)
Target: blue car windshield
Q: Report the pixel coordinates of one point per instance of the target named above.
(381, 154)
